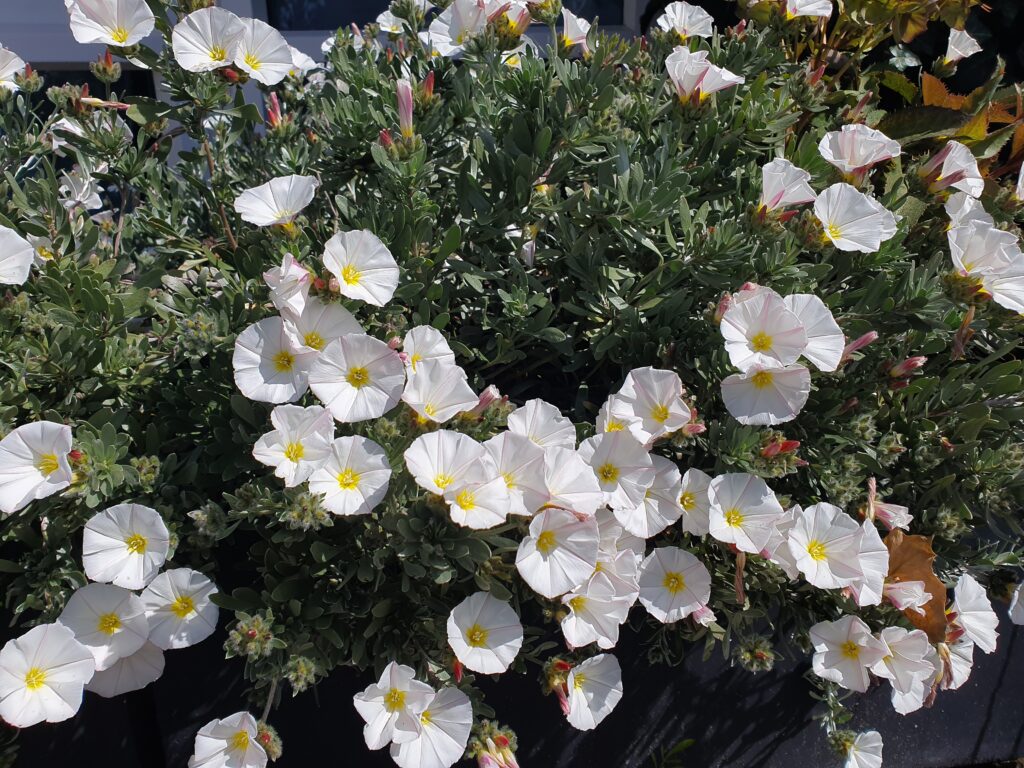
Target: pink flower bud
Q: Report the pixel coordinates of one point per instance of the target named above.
(487, 398)
(405, 108)
(704, 616)
(723, 305)
(814, 76)
(394, 343)
(273, 111)
(908, 366)
(428, 85)
(857, 344)
(694, 428)
(385, 139)
(334, 285)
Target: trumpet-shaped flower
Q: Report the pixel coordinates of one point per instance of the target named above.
(206, 39)
(595, 688)
(596, 610)
(907, 595)
(289, 285)
(179, 609)
(228, 743)
(318, 324)
(16, 257)
(479, 505)
(262, 53)
(651, 401)
(302, 64)
(574, 30)
(844, 651)
(570, 482)
(825, 339)
(660, 506)
(132, 673)
(357, 377)
(42, 674)
(673, 584)
(485, 633)
(783, 184)
(445, 723)
(824, 544)
(426, 343)
(456, 25)
(694, 78)
(300, 442)
(543, 423)
(743, 510)
(268, 367)
(278, 201)
(354, 476)
(853, 221)
(777, 549)
(1017, 605)
(973, 613)
(438, 390)
(816, 8)
(854, 149)
(866, 751)
(873, 560)
(960, 46)
(906, 663)
(686, 20)
(559, 553)
(963, 209)
(958, 661)
(124, 545)
(120, 23)
(520, 463)
(978, 249)
(391, 707)
(11, 64)
(110, 621)
(693, 498)
(33, 464)
(623, 468)
(439, 460)
(363, 266)
(769, 395)
(762, 331)
(954, 166)
(614, 415)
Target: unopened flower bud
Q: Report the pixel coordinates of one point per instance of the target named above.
(906, 367)
(404, 91)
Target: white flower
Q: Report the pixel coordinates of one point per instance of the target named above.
(783, 184)
(438, 390)
(559, 553)
(318, 324)
(817, 8)
(302, 64)
(441, 459)
(907, 595)
(960, 46)
(825, 339)
(660, 506)
(263, 53)
(974, 614)
(33, 463)
(873, 559)
(673, 584)
(866, 751)
(623, 468)
(479, 505)
(650, 401)
(354, 476)
(16, 257)
(278, 201)
(762, 331)
(958, 659)
(41, 676)
(954, 166)
(1006, 288)
(300, 442)
(132, 673)
(78, 190)
(391, 707)
(921, 687)
(570, 482)
(693, 498)
(1017, 605)
(906, 662)
(389, 23)
(686, 20)
(574, 29)
(10, 65)
(426, 343)
(445, 723)
(543, 423)
(357, 377)
(179, 609)
(855, 148)
(363, 266)
(289, 284)
(694, 78)
(963, 209)
(120, 23)
(743, 510)
(979, 249)
(110, 621)
(596, 610)
(228, 743)
(485, 633)
(823, 543)
(520, 462)
(777, 549)
(853, 221)
(595, 688)
(457, 25)
(614, 415)
(1018, 191)
(206, 39)
(766, 395)
(124, 545)
(844, 650)
(268, 367)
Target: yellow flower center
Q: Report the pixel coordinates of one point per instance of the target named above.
(348, 479)
(476, 636)
(761, 379)
(350, 274)
(218, 53)
(240, 741)
(183, 606)
(358, 377)
(429, 409)
(47, 464)
(425, 717)
(45, 253)
(578, 681)
(442, 480)
(761, 342)
(614, 426)
(294, 451)
(688, 500)
(673, 582)
(314, 340)
(608, 473)
(119, 35)
(578, 603)
(833, 231)
(816, 550)
(284, 361)
(466, 500)
(733, 517)
(108, 623)
(136, 544)
(394, 700)
(415, 359)
(35, 678)
(546, 542)
(660, 413)
(850, 650)
(510, 479)
(251, 61)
